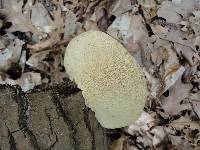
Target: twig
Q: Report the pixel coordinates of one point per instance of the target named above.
(45, 45)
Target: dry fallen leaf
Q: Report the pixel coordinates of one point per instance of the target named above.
(188, 128)
(159, 135)
(189, 54)
(196, 107)
(70, 24)
(37, 61)
(144, 122)
(40, 17)
(178, 92)
(11, 54)
(20, 20)
(29, 80)
(128, 26)
(180, 143)
(119, 7)
(168, 11)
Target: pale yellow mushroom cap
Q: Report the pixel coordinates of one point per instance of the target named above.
(112, 82)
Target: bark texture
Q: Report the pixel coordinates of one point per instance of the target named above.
(54, 118)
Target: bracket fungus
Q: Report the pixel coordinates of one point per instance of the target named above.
(112, 82)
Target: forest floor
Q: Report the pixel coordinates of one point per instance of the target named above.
(162, 35)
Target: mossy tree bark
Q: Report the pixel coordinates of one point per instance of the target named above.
(54, 118)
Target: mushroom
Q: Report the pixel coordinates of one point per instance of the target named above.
(112, 83)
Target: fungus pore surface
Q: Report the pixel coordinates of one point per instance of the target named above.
(112, 82)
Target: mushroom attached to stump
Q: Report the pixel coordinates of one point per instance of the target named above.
(112, 82)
